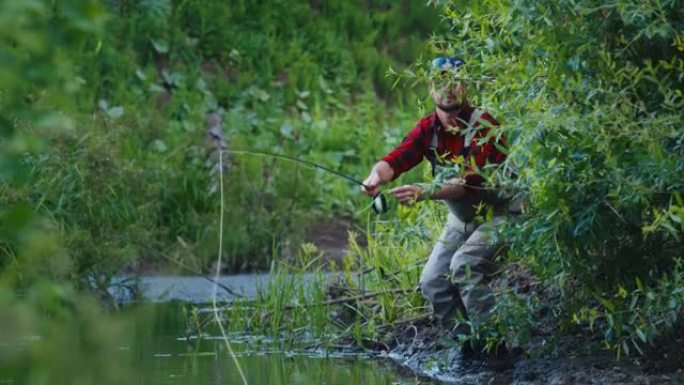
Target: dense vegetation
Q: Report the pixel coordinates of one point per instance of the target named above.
(590, 96)
(105, 162)
(131, 174)
(104, 114)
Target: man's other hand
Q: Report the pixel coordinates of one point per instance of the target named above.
(407, 194)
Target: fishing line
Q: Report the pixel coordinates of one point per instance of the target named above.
(297, 160)
(218, 273)
(379, 206)
(379, 202)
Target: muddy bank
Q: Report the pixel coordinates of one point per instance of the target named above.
(331, 238)
(426, 352)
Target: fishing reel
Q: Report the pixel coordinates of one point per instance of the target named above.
(379, 204)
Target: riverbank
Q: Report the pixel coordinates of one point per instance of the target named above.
(423, 349)
(567, 366)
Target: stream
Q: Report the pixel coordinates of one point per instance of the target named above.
(172, 359)
(151, 339)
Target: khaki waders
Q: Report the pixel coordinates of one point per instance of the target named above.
(456, 275)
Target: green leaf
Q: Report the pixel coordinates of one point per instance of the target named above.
(641, 335)
(115, 112)
(154, 87)
(639, 284)
(286, 130)
(159, 145)
(608, 305)
(636, 346)
(160, 46)
(625, 347)
(140, 75)
(6, 127)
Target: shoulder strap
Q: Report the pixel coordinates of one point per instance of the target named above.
(432, 150)
(470, 131)
(474, 117)
(433, 142)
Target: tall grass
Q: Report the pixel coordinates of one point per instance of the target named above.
(360, 305)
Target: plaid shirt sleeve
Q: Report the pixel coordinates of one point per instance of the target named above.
(486, 153)
(412, 149)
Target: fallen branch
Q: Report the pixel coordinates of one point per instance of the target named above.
(352, 298)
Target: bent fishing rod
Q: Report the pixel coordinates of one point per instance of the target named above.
(379, 202)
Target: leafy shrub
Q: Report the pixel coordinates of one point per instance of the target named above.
(590, 95)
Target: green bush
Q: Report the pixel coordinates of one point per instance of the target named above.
(590, 95)
(49, 332)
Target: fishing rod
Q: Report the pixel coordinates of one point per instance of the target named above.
(379, 202)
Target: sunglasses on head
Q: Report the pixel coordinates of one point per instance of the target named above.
(444, 63)
(445, 72)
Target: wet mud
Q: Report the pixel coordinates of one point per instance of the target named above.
(427, 352)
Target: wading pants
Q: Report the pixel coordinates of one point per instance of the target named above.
(455, 278)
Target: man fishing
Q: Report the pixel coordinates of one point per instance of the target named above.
(456, 137)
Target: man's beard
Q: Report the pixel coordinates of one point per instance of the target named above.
(451, 125)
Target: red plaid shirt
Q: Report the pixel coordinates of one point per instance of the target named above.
(482, 150)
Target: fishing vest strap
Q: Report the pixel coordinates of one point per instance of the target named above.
(470, 131)
(469, 134)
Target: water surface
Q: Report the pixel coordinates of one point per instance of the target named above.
(171, 359)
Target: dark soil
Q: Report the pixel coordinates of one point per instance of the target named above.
(425, 350)
(331, 237)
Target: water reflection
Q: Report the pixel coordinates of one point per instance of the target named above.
(174, 361)
(276, 369)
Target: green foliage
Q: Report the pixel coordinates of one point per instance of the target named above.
(36, 40)
(49, 332)
(361, 304)
(130, 174)
(635, 319)
(54, 335)
(36, 72)
(590, 95)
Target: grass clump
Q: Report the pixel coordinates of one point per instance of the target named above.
(359, 303)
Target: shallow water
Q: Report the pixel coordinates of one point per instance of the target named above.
(191, 289)
(144, 342)
(194, 289)
(171, 359)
